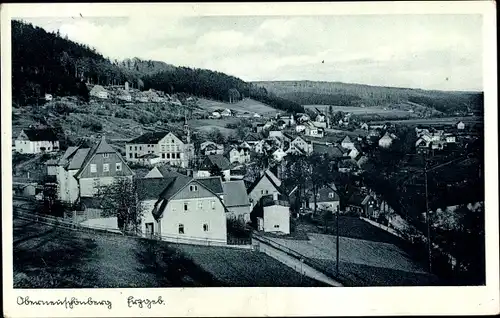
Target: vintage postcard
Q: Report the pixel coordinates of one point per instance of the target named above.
(211, 159)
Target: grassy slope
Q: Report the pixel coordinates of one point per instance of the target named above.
(246, 105)
(47, 257)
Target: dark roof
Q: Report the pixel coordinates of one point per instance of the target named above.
(149, 138)
(151, 188)
(324, 195)
(332, 151)
(167, 172)
(217, 160)
(235, 193)
(269, 175)
(214, 184)
(46, 134)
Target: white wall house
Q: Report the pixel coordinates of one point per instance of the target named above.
(99, 92)
(277, 219)
(385, 141)
(36, 141)
(267, 184)
(188, 212)
(168, 147)
(313, 131)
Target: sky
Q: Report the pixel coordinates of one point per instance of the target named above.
(442, 52)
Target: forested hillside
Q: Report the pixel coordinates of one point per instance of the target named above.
(342, 94)
(44, 62)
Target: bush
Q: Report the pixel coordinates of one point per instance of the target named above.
(92, 124)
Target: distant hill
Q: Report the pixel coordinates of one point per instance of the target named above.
(343, 94)
(46, 63)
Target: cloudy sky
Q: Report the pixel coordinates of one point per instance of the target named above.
(421, 51)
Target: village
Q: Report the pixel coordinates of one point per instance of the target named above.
(286, 175)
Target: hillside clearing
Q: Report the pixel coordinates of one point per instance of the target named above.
(246, 105)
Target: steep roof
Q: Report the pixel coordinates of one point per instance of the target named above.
(217, 160)
(46, 134)
(149, 138)
(328, 150)
(151, 188)
(212, 183)
(271, 177)
(324, 195)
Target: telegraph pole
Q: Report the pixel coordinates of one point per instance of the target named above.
(427, 214)
(337, 245)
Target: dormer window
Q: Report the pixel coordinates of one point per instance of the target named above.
(105, 155)
(193, 187)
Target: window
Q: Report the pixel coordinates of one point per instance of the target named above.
(193, 188)
(178, 155)
(136, 155)
(200, 205)
(330, 195)
(276, 226)
(168, 156)
(140, 147)
(163, 155)
(105, 155)
(130, 148)
(93, 168)
(267, 192)
(118, 166)
(213, 204)
(130, 155)
(181, 228)
(136, 148)
(205, 227)
(105, 167)
(186, 206)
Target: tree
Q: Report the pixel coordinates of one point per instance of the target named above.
(120, 199)
(216, 136)
(234, 95)
(215, 171)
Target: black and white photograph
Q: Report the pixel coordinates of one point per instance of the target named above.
(153, 151)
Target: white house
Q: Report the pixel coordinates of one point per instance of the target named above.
(460, 125)
(211, 148)
(82, 171)
(313, 131)
(276, 218)
(187, 211)
(347, 143)
(238, 154)
(385, 141)
(268, 183)
(215, 115)
(226, 113)
(167, 146)
(37, 141)
(300, 128)
(99, 92)
(279, 154)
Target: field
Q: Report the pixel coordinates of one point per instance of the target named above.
(360, 111)
(437, 121)
(245, 105)
(50, 257)
(206, 125)
(368, 256)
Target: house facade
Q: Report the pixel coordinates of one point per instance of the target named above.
(313, 131)
(82, 171)
(211, 148)
(267, 184)
(326, 199)
(187, 211)
(385, 141)
(212, 161)
(239, 154)
(168, 147)
(99, 92)
(460, 125)
(36, 141)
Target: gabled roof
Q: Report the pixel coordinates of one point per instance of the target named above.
(172, 189)
(271, 177)
(217, 160)
(151, 188)
(212, 183)
(149, 138)
(99, 148)
(324, 195)
(168, 173)
(332, 151)
(46, 134)
(235, 193)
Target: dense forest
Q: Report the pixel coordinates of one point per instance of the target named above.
(47, 63)
(343, 94)
(215, 85)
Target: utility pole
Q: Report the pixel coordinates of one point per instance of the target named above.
(427, 219)
(337, 245)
